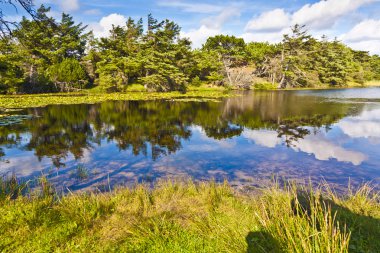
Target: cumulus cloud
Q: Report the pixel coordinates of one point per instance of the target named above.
(267, 139)
(272, 37)
(324, 150)
(210, 26)
(318, 17)
(324, 14)
(200, 35)
(371, 46)
(102, 28)
(274, 20)
(364, 36)
(366, 30)
(367, 125)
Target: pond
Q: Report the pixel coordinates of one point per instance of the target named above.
(329, 135)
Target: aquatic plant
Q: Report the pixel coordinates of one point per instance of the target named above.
(82, 172)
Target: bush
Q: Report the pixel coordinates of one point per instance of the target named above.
(265, 86)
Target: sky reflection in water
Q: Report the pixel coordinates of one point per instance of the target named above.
(297, 135)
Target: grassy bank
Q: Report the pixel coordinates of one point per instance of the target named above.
(374, 83)
(188, 217)
(40, 100)
(202, 93)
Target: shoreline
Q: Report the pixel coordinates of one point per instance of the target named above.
(23, 101)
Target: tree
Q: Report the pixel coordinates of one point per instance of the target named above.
(206, 66)
(164, 56)
(296, 60)
(375, 67)
(68, 75)
(335, 62)
(119, 55)
(231, 52)
(69, 39)
(11, 75)
(45, 44)
(267, 60)
(35, 43)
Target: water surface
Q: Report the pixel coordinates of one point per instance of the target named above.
(331, 135)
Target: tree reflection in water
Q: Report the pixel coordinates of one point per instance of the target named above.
(157, 128)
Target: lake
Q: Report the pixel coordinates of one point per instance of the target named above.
(317, 135)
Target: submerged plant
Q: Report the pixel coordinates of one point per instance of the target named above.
(11, 187)
(82, 172)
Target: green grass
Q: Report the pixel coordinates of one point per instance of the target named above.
(188, 217)
(40, 100)
(374, 83)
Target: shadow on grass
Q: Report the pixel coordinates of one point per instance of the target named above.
(364, 229)
(262, 242)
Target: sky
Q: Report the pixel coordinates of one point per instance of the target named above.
(355, 22)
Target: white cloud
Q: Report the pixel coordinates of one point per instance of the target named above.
(102, 28)
(200, 35)
(69, 5)
(263, 138)
(274, 20)
(318, 145)
(210, 26)
(324, 150)
(324, 14)
(320, 15)
(216, 22)
(364, 36)
(192, 7)
(367, 125)
(64, 5)
(272, 37)
(371, 46)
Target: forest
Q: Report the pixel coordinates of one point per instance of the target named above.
(42, 54)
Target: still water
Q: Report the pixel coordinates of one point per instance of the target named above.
(331, 135)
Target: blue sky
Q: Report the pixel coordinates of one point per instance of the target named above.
(356, 22)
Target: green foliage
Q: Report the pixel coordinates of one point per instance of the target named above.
(43, 49)
(36, 100)
(265, 86)
(11, 75)
(68, 74)
(303, 61)
(259, 51)
(49, 55)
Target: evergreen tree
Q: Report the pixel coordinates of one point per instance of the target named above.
(231, 52)
(119, 55)
(68, 75)
(164, 56)
(11, 75)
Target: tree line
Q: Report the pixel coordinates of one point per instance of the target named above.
(43, 54)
